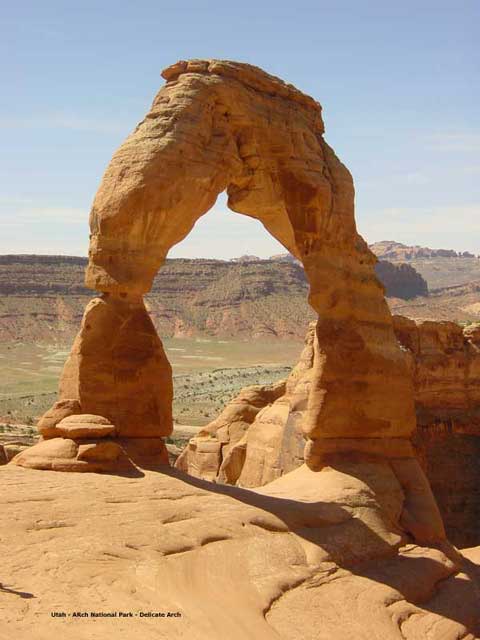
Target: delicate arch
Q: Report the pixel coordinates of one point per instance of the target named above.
(219, 125)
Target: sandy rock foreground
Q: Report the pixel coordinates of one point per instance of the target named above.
(328, 561)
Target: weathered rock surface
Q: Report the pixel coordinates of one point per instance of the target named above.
(10, 449)
(47, 425)
(312, 555)
(206, 453)
(258, 436)
(117, 381)
(118, 369)
(105, 455)
(65, 454)
(83, 426)
(220, 125)
(445, 369)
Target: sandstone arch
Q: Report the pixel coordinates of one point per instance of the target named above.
(218, 126)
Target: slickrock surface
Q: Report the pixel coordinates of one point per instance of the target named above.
(310, 556)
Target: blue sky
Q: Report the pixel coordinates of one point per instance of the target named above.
(399, 85)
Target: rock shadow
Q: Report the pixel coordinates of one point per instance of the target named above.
(418, 578)
(21, 594)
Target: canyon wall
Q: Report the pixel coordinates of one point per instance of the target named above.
(400, 280)
(445, 367)
(42, 297)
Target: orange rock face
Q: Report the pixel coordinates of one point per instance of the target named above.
(350, 544)
(444, 364)
(219, 126)
(445, 368)
(118, 369)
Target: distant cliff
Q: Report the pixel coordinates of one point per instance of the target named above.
(401, 280)
(42, 297)
(398, 252)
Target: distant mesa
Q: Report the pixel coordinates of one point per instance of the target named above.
(44, 296)
(246, 258)
(285, 257)
(278, 257)
(401, 280)
(241, 298)
(396, 251)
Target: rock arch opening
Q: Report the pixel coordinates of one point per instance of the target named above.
(240, 321)
(221, 126)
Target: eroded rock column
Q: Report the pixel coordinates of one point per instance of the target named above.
(115, 394)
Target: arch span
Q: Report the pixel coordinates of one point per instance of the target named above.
(216, 126)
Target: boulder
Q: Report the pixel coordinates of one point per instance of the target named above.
(65, 454)
(84, 426)
(11, 449)
(60, 410)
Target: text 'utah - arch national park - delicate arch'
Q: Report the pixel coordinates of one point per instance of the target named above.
(217, 126)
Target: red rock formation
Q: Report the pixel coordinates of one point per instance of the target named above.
(258, 436)
(391, 250)
(219, 125)
(360, 501)
(445, 369)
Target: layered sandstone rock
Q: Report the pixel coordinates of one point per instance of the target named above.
(118, 369)
(66, 454)
(207, 453)
(444, 362)
(258, 436)
(220, 125)
(350, 544)
(397, 251)
(445, 367)
(116, 382)
(216, 126)
(84, 426)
